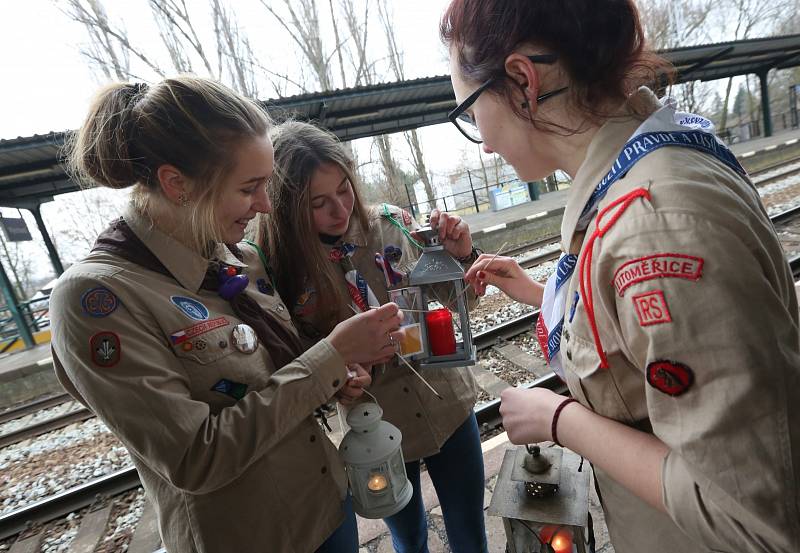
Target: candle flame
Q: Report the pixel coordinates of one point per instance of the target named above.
(377, 482)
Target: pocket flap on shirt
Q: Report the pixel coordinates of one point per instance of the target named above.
(206, 347)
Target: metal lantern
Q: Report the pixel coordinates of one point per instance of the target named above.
(543, 496)
(437, 278)
(374, 460)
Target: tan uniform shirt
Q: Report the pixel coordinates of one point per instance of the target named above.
(425, 421)
(224, 441)
(696, 309)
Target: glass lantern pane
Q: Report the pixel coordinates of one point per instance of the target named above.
(542, 538)
(410, 302)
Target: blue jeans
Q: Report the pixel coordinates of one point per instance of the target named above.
(457, 475)
(345, 538)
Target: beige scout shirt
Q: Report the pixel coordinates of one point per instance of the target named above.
(425, 421)
(694, 279)
(256, 474)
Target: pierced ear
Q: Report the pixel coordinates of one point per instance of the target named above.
(523, 71)
(173, 183)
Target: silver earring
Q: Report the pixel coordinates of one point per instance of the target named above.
(183, 200)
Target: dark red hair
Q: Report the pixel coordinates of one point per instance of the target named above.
(600, 44)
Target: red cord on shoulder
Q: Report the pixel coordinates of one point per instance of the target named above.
(585, 262)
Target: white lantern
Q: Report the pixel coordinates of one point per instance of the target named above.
(543, 497)
(438, 278)
(374, 460)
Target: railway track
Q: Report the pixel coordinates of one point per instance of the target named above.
(95, 496)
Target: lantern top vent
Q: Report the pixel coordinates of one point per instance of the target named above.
(435, 264)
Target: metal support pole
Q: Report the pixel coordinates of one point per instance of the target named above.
(51, 249)
(13, 306)
(765, 103)
(410, 203)
(474, 195)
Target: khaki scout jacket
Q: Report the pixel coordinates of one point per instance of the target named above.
(225, 475)
(425, 421)
(696, 309)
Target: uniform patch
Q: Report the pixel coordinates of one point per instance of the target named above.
(392, 254)
(573, 306)
(660, 265)
(670, 377)
(99, 302)
(236, 390)
(265, 287)
(651, 308)
(196, 330)
(190, 307)
(105, 348)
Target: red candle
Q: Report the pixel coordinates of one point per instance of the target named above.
(441, 335)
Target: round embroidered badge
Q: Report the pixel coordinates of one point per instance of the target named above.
(99, 302)
(105, 348)
(669, 377)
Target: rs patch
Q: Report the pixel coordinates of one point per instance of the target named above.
(651, 308)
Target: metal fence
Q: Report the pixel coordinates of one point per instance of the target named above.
(477, 198)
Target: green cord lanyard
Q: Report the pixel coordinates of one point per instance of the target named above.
(402, 227)
(264, 261)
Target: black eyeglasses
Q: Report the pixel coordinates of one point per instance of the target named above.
(464, 121)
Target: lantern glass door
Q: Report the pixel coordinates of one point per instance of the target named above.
(551, 522)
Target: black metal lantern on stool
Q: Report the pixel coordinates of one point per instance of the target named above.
(542, 494)
(430, 335)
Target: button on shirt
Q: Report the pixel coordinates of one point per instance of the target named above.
(224, 441)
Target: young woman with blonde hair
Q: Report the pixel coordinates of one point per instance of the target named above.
(175, 337)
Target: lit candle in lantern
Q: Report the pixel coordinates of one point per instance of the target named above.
(441, 336)
(377, 482)
(558, 538)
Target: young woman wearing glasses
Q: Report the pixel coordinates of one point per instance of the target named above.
(672, 314)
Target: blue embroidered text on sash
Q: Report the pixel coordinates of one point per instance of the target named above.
(564, 269)
(646, 143)
(554, 339)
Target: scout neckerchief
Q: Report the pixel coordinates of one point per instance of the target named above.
(362, 295)
(360, 292)
(282, 345)
(665, 127)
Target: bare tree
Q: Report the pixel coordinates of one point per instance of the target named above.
(302, 26)
(746, 17)
(396, 64)
(234, 50)
(178, 31)
(109, 46)
(674, 23)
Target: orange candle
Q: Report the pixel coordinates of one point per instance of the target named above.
(441, 335)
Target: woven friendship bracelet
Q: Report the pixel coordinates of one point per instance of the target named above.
(554, 424)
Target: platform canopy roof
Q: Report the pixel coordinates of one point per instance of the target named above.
(31, 171)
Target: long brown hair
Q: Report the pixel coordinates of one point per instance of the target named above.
(288, 232)
(600, 45)
(189, 122)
